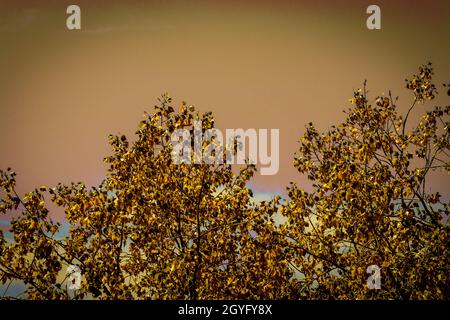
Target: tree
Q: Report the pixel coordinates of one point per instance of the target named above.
(151, 229)
(156, 229)
(370, 203)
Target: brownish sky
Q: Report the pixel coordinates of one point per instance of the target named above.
(258, 64)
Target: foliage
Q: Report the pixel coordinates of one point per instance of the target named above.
(151, 229)
(370, 203)
(154, 229)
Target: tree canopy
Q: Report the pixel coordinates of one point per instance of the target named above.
(155, 229)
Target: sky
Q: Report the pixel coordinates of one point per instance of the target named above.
(254, 64)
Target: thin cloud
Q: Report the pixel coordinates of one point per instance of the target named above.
(120, 28)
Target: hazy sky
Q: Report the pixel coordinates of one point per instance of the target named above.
(254, 64)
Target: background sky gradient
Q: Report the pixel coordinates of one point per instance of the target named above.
(254, 64)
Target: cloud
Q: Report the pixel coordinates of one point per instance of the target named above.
(129, 27)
